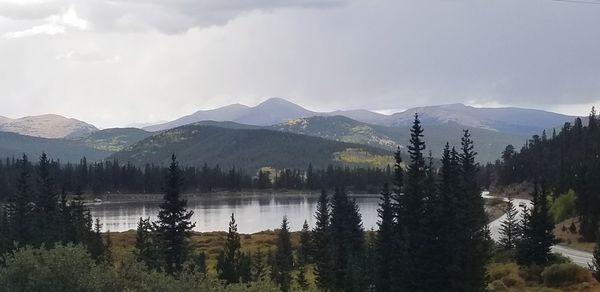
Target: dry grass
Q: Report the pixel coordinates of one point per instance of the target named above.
(573, 240)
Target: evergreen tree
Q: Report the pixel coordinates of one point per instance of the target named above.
(476, 236)
(399, 254)
(415, 209)
(384, 242)
(45, 212)
(20, 207)
(321, 243)
(259, 268)
(301, 278)
(245, 268)
(537, 232)
(174, 226)
(305, 249)
(284, 261)
(229, 258)
(347, 244)
(146, 245)
(449, 214)
(509, 228)
(108, 256)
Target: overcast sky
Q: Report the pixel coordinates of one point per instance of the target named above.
(117, 62)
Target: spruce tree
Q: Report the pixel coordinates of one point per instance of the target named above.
(321, 243)
(301, 278)
(537, 232)
(347, 244)
(449, 214)
(174, 226)
(398, 253)
(384, 241)
(229, 258)
(20, 207)
(305, 249)
(259, 268)
(509, 228)
(284, 261)
(45, 213)
(146, 245)
(477, 236)
(415, 217)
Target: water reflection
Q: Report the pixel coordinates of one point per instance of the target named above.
(211, 213)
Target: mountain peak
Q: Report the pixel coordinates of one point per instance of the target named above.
(276, 101)
(47, 126)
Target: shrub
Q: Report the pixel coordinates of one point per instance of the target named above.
(563, 207)
(507, 273)
(558, 275)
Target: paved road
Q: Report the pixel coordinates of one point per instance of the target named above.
(581, 258)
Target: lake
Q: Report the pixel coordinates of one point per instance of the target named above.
(253, 212)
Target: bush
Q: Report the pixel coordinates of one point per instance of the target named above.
(558, 275)
(563, 207)
(507, 273)
(64, 268)
(71, 268)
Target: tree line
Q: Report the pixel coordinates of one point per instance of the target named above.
(567, 160)
(114, 177)
(38, 214)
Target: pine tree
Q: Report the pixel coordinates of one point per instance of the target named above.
(45, 213)
(509, 229)
(174, 226)
(146, 245)
(347, 244)
(321, 243)
(108, 256)
(304, 252)
(284, 261)
(398, 253)
(414, 219)
(20, 207)
(228, 259)
(477, 236)
(384, 242)
(537, 232)
(301, 278)
(259, 268)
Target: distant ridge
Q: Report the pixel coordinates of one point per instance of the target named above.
(510, 120)
(46, 126)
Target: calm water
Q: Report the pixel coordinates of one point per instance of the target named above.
(253, 213)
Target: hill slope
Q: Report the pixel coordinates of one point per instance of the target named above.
(248, 149)
(489, 144)
(113, 140)
(46, 126)
(13, 144)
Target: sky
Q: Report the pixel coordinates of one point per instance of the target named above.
(122, 62)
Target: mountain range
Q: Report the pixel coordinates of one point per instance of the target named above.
(518, 121)
(272, 124)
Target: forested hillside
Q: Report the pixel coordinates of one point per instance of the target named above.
(249, 149)
(562, 160)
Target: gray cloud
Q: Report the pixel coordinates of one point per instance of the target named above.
(178, 56)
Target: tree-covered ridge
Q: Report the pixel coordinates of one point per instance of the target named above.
(563, 160)
(242, 148)
(113, 140)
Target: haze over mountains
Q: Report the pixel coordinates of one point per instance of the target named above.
(70, 139)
